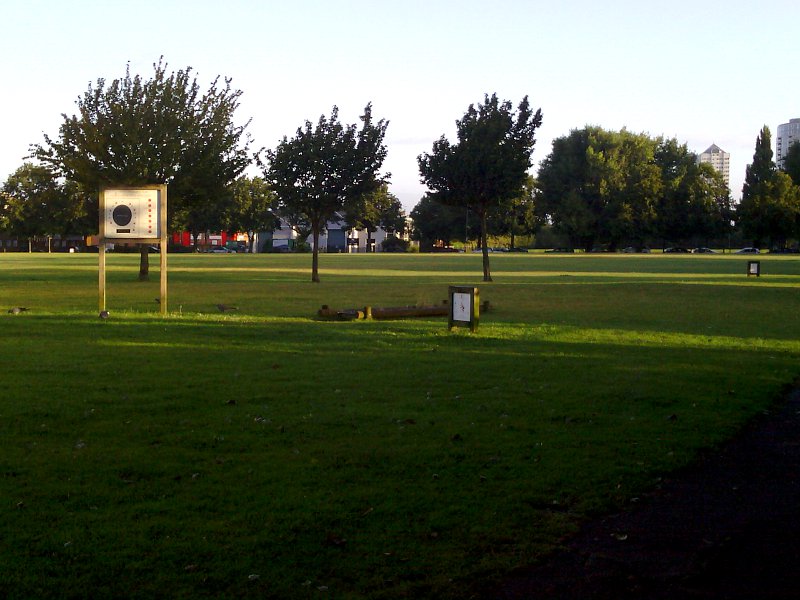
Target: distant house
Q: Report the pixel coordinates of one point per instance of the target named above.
(204, 240)
(338, 237)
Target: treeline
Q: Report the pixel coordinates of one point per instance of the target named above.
(165, 130)
(600, 189)
(596, 189)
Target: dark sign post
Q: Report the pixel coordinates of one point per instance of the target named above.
(754, 268)
(464, 307)
(134, 214)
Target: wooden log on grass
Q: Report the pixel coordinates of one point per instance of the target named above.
(391, 312)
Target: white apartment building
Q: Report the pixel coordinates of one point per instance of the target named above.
(788, 134)
(719, 159)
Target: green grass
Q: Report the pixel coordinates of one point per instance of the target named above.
(268, 454)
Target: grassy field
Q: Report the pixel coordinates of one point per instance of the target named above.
(265, 453)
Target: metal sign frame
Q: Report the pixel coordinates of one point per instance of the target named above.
(134, 214)
(754, 268)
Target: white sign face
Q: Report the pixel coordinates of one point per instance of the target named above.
(132, 213)
(462, 307)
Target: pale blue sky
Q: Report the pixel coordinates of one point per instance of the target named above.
(701, 72)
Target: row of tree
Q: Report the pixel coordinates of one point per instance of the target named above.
(137, 131)
(605, 189)
(609, 188)
(596, 187)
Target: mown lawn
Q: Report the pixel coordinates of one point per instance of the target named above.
(266, 453)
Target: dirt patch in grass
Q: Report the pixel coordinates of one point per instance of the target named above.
(726, 527)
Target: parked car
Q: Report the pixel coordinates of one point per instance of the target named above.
(748, 251)
(221, 250)
(675, 250)
(703, 250)
(559, 251)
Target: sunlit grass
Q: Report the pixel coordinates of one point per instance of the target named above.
(267, 453)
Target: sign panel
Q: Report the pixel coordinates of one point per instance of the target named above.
(462, 307)
(132, 213)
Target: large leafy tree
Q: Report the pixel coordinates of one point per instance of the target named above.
(599, 186)
(162, 130)
(324, 167)
(694, 202)
(37, 203)
(379, 208)
(436, 222)
(770, 205)
(489, 163)
(254, 208)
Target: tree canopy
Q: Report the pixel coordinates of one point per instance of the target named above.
(379, 208)
(609, 187)
(770, 206)
(36, 203)
(254, 208)
(791, 162)
(516, 216)
(487, 165)
(162, 130)
(434, 221)
(325, 166)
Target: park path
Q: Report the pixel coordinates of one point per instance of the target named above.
(727, 527)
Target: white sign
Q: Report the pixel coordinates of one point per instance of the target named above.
(462, 307)
(132, 213)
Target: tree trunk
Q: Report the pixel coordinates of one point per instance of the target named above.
(487, 275)
(144, 262)
(315, 253)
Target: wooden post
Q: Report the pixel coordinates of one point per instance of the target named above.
(162, 218)
(101, 248)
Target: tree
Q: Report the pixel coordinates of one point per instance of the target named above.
(695, 201)
(35, 203)
(791, 163)
(516, 216)
(316, 173)
(157, 131)
(436, 222)
(253, 208)
(489, 163)
(379, 208)
(770, 205)
(599, 186)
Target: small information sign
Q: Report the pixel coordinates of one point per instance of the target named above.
(464, 307)
(754, 268)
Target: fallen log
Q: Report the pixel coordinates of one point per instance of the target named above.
(391, 312)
